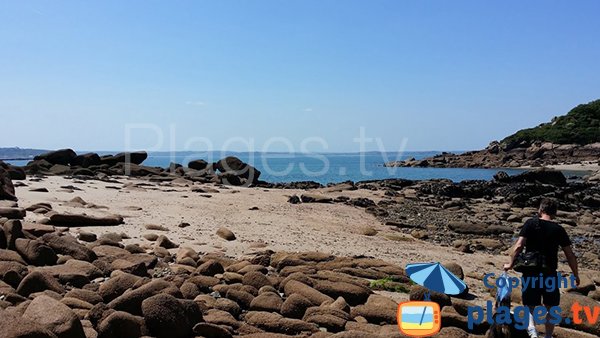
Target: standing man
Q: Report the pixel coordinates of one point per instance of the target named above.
(545, 237)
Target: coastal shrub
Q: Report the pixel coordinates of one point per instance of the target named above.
(581, 125)
(389, 284)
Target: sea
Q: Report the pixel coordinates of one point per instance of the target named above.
(324, 168)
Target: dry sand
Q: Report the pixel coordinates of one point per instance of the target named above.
(276, 224)
(583, 166)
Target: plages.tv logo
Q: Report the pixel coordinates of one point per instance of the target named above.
(423, 318)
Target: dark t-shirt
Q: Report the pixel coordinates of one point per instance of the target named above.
(546, 239)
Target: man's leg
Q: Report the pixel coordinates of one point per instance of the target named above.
(531, 330)
(551, 298)
(531, 298)
(549, 326)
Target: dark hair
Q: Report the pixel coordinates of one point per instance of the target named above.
(548, 206)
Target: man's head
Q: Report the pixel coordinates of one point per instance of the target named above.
(548, 207)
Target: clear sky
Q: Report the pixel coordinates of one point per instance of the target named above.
(444, 75)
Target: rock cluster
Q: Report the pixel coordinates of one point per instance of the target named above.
(230, 170)
(486, 215)
(53, 285)
(497, 155)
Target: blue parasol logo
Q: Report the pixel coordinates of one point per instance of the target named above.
(435, 277)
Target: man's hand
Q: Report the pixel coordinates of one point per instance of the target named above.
(508, 266)
(577, 280)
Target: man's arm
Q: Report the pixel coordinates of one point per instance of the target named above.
(518, 248)
(572, 262)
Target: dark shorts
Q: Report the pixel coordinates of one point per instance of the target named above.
(536, 295)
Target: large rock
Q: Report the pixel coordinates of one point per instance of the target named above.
(208, 330)
(73, 268)
(352, 293)
(127, 157)
(39, 166)
(418, 293)
(135, 170)
(544, 176)
(378, 309)
(117, 285)
(198, 164)
(56, 316)
(267, 301)
(14, 172)
(295, 306)
(62, 156)
(226, 234)
(315, 198)
(75, 220)
(13, 230)
(11, 256)
(69, 246)
(567, 301)
(166, 317)
(88, 296)
(478, 228)
(38, 281)
(36, 252)
(220, 317)
(237, 167)
(164, 242)
(7, 190)
(59, 169)
(451, 318)
(314, 296)
(83, 172)
(86, 160)
(37, 230)
(12, 213)
(121, 324)
(210, 268)
(334, 320)
(12, 272)
(14, 326)
(256, 279)
(204, 283)
(456, 269)
(131, 301)
(274, 322)
(243, 298)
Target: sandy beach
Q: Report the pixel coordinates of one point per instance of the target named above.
(587, 167)
(277, 225)
(260, 219)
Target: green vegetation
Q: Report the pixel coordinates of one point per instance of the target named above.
(580, 126)
(398, 237)
(389, 284)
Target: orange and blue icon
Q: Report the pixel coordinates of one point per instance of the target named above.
(419, 319)
(423, 318)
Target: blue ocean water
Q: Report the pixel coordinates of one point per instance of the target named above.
(326, 168)
(334, 168)
(416, 318)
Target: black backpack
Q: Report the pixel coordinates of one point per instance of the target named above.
(531, 262)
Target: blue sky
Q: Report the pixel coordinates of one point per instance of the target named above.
(444, 75)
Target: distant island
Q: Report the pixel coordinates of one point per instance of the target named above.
(16, 153)
(571, 139)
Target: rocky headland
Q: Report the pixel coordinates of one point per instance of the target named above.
(570, 139)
